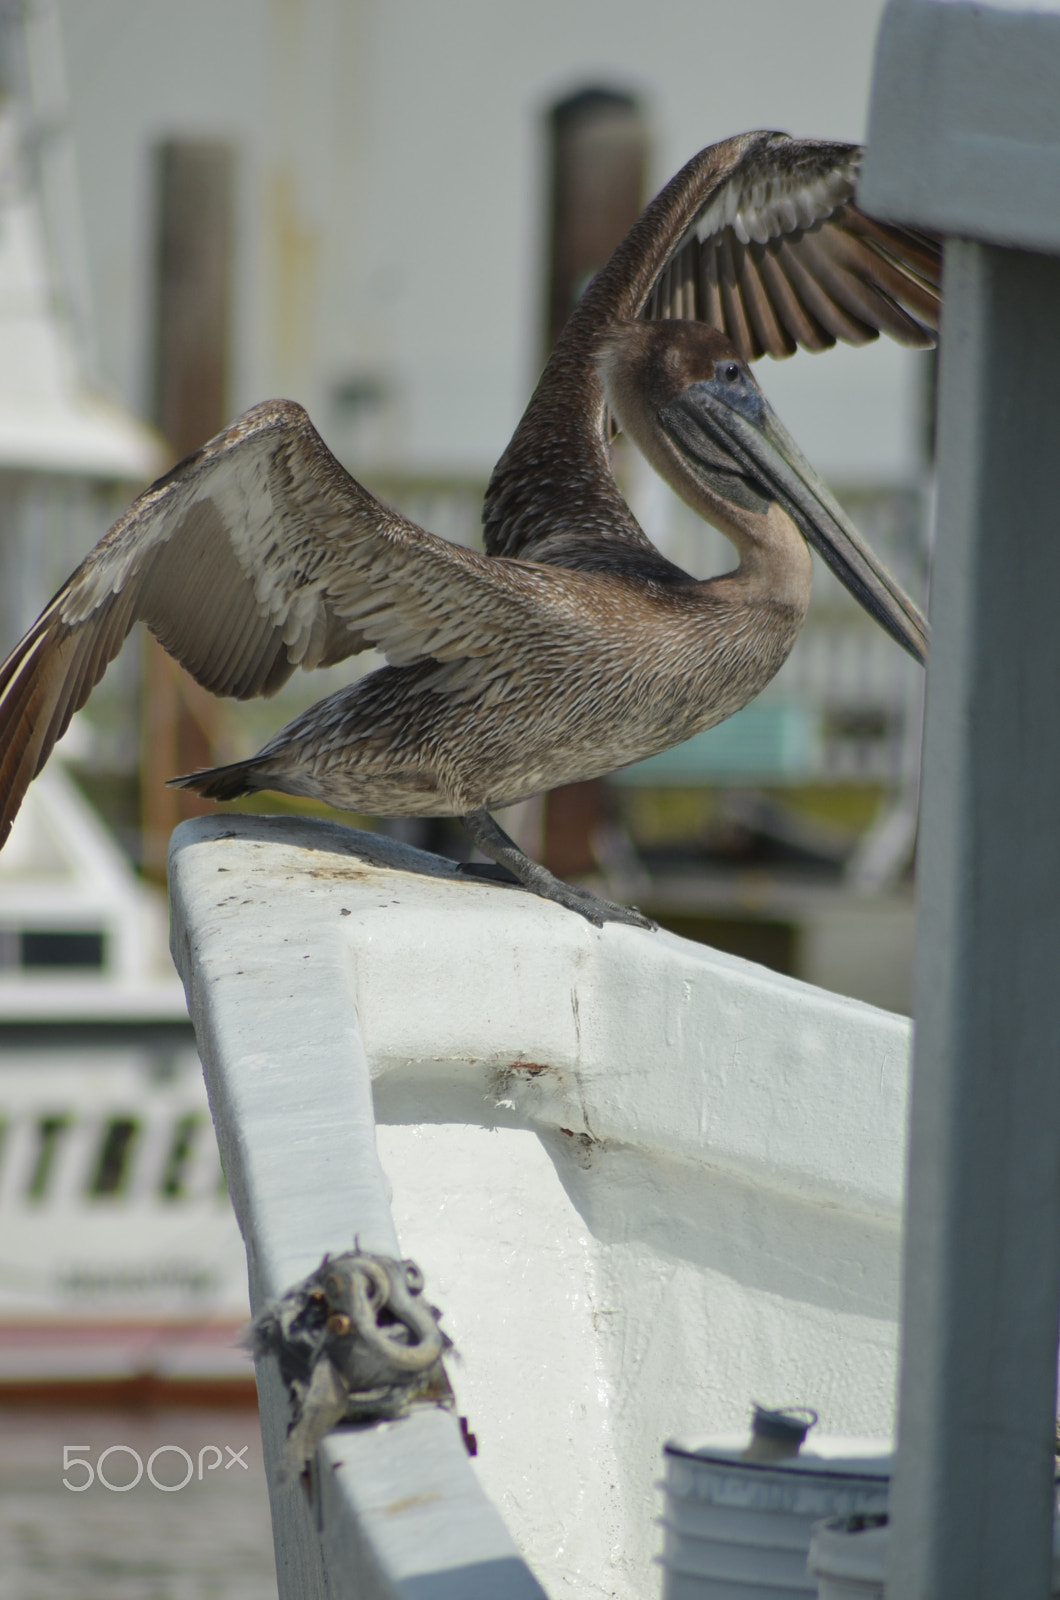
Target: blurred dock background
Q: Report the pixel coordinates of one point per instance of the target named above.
(209, 1540)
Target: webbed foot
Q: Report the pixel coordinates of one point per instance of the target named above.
(495, 843)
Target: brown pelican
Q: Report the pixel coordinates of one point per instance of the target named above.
(572, 646)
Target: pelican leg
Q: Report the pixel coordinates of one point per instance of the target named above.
(495, 843)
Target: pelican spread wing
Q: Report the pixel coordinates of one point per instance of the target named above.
(779, 256)
(254, 556)
(759, 236)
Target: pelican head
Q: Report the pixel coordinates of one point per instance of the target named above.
(691, 405)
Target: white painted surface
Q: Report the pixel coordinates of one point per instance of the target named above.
(648, 1183)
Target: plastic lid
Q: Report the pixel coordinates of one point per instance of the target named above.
(845, 1455)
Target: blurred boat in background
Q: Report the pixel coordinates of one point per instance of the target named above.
(121, 1267)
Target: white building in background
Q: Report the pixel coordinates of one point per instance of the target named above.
(391, 194)
(64, 445)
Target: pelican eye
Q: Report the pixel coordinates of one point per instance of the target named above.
(731, 371)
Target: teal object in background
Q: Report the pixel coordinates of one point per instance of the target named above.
(776, 742)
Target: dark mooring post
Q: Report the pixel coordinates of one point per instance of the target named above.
(965, 140)
(195, 206)
(598, 154)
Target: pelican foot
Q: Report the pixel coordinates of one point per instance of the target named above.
(488, 871)
(495, 843)
(592, 906)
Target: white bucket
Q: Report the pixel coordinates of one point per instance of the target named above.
(740, 1530)
(848, 1558)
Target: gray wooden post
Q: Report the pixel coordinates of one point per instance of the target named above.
(965, 139)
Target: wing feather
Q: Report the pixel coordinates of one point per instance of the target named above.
(794, 198)
(770, 337)
(868, 303)
(28, 722)
(803, 329)
(920, 252)
(710, 290)
(876, 270)
(819, 303)
(730, 260)
(688, 263)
